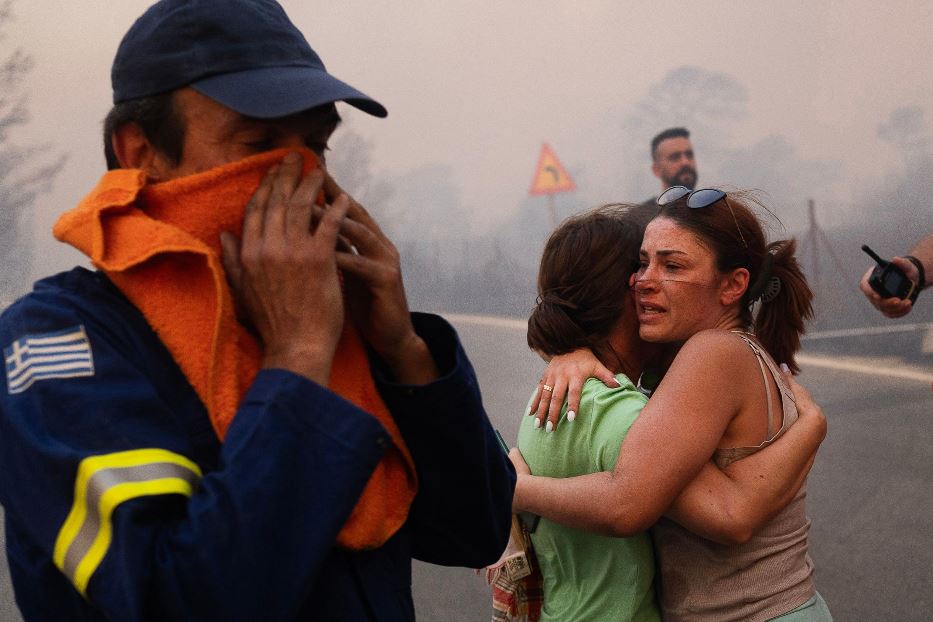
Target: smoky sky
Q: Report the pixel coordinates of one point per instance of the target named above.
(821, 90)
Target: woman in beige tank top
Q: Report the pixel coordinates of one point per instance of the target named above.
(704, 263)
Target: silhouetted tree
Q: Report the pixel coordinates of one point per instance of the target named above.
(350, 161)
(907, 130)
(25, 171)
(708, 103)
(901, 201)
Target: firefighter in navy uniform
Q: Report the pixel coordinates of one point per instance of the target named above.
(150, 472)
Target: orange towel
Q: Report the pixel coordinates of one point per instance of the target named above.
(160, 245)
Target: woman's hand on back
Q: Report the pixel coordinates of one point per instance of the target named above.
(809, 412)
(563, 378)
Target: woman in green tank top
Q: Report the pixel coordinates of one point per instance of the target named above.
(585, 302)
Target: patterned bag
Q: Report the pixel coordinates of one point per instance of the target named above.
(517, 584)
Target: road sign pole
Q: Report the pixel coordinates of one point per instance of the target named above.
(550, 178)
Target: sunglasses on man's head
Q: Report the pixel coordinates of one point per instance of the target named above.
(702, 197)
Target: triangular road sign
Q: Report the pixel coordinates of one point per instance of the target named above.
(550, 175)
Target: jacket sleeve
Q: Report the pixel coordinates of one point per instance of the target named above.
(462, 513)
(98, 471)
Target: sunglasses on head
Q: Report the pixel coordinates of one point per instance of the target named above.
(696, 199)
(703, 197)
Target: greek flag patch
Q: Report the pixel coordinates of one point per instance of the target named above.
(62, 354)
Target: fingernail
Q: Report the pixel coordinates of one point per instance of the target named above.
(537, 423)
(549, 427)
(785, 368)
(571, 415)
(291, 157)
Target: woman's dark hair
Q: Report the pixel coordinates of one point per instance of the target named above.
(732, 231)
(159, 120)
(584, 276)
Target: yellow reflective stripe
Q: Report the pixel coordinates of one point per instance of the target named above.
(94, 465)
(109, 502)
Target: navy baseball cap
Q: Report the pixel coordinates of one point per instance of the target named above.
(244, 54)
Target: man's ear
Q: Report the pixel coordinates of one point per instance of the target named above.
(734, 287)
(656, 169)
(133, 150)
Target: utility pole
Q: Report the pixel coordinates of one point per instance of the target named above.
(814, 239)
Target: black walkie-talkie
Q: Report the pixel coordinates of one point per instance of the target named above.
(889, 280)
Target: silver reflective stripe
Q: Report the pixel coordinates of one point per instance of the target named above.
(104, 480)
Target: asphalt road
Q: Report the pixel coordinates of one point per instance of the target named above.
(870, 493)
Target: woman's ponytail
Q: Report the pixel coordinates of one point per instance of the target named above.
(785, 304)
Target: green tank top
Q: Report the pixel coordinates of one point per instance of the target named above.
(589, 577)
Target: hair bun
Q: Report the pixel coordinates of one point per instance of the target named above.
(551, 329)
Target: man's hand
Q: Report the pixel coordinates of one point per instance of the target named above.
(283, 277)
(890, 307)
(376, 295)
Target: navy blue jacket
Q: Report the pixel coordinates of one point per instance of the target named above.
(121, 504)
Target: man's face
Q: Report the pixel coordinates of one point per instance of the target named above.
(216, 135)
(674, 164)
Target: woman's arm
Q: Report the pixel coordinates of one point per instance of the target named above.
(673, 438)
(730, 505)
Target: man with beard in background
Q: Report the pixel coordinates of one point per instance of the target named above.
(672, 160)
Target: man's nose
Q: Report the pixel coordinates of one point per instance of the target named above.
(297, 141)
(292, 141)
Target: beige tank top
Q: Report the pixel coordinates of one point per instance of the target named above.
(767, 576)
